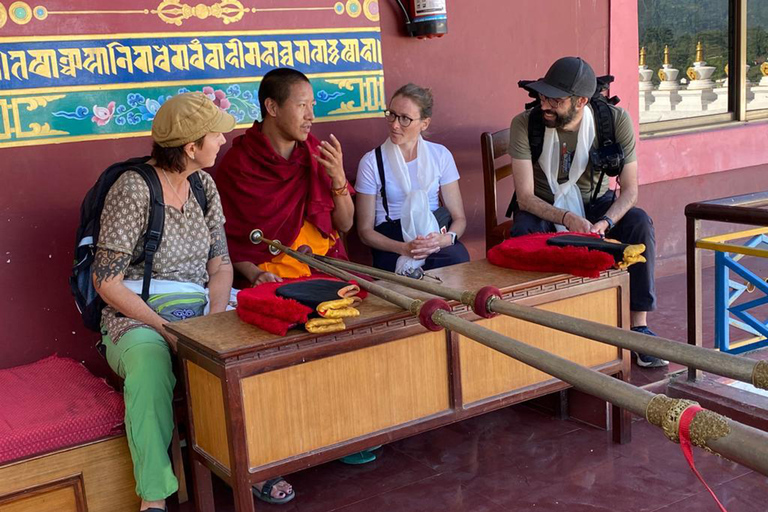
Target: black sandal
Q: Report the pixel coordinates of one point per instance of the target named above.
(265, 494)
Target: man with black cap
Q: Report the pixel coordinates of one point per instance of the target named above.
(561, 191)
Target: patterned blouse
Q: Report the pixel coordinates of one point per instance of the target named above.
(184, 251)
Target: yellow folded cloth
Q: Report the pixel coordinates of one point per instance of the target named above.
(339, 308)
(632, 255)
(324, 325)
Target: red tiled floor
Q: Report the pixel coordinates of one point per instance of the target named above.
(478, 439)
(430, 494)
(747, 493)
(519, 459)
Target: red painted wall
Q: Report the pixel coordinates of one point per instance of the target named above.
(473, 72)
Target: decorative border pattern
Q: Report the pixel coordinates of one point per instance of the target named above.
(115, 113)
(176, 12)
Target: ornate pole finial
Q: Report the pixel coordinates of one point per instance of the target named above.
(699, 52)
(642, 56)
(666, 55)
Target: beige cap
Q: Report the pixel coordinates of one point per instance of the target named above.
(187, 117)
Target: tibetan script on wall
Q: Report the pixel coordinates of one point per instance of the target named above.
(60, 88)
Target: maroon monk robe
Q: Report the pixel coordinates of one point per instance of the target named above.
(261, 189)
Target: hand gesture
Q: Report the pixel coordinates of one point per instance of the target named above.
(170, 339)
(421, 247)
(332, 159)
(577, 224)
(442, 239)
(267, 277)
(599, 227)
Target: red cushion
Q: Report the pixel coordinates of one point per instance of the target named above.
(531, 252)
(54, 403)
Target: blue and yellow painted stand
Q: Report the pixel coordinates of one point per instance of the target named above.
(728, 290)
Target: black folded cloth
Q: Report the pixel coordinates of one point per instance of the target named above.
(623, 254)
(312, 292)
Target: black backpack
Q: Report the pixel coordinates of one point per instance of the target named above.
(608, 158)
(88, 302)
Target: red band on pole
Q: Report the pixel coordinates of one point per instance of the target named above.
(480, 307)
(426, 311)
(685, 444)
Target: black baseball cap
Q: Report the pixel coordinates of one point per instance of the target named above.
(569, 76)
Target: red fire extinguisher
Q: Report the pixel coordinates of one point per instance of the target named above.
(425, 18)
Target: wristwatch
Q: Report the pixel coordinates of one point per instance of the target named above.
(454, 236)
(608, 221)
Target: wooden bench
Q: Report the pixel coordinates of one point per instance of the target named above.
(62, 445)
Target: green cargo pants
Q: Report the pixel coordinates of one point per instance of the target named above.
(143, 359)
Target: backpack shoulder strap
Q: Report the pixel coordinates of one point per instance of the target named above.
(155, 223)
(605, 127)
(380, 166)
(536, 133)
(535, 143)
(601, 106)
(198, 190)
(604, 124)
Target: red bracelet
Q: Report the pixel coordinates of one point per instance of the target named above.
(341, 191)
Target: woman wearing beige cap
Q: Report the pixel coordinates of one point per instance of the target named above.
(191, 275)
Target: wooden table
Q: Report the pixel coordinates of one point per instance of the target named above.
(261, 405)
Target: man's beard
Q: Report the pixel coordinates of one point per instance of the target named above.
(561, 120)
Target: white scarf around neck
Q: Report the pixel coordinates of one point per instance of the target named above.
(416, 218)
(567, 195)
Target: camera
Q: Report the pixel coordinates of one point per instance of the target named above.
(608, 159)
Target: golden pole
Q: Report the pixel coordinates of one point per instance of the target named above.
(708, 430)
(728, 365)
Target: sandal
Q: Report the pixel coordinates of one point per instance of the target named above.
(265, 494)
(355, 459)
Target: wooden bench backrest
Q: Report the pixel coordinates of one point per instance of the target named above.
(494, 147)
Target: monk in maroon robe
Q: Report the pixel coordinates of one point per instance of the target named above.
(279, 178)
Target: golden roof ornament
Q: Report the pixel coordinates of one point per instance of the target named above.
(699, 52)
(764, 68)
(642, 56)
(666, 55)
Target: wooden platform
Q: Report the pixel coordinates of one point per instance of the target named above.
(95, 477)
(262, 405)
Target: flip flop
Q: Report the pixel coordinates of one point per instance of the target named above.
(363, 457)
(265, 494)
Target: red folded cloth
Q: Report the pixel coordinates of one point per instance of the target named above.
(262, 307)
(531, 252)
